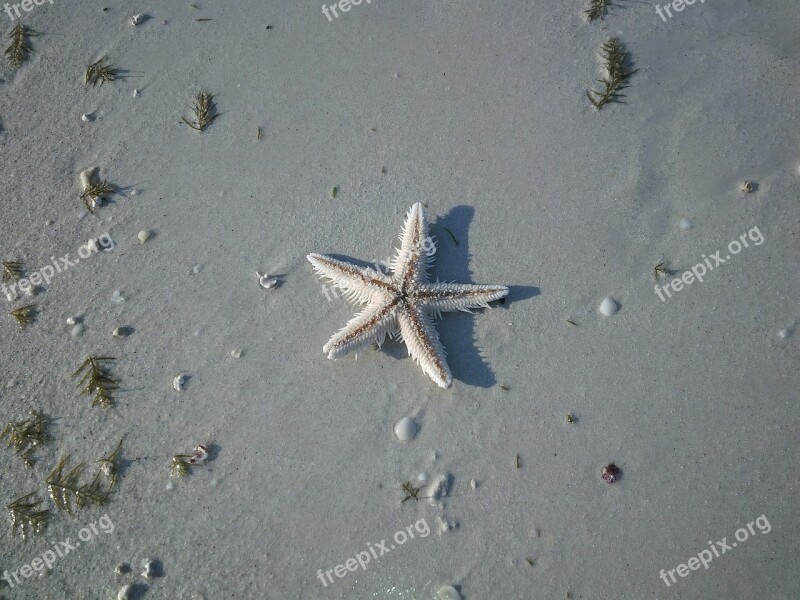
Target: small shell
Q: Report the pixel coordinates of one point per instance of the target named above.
(86, 117)
(73, 320)
(608, 307)
(747, 187)
(137, 19)
(266, 282)
(179, 382)
(122, 331)
(144, 235)
(150, 569)
(236, 353)
(87, 176)
(200, 455)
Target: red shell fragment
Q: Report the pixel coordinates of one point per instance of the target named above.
(610, 473)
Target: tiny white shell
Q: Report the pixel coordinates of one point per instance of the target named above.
(87, 175)
(144, 235)
(86, 117)
(72, 320)
(608, 307)
(179, 382)
(266, 282)
(405, 429)
(149, 567)
(137, 19)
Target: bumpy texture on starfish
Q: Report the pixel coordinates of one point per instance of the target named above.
(404, 303)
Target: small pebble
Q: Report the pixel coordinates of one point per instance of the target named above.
(179, 382)
(448, 592)
(86, 117)
(196, 269)
(122, 331)
(135, 93)
(534, 532)
(137, 19)
(116, 297)
(144, 235)
(784, 333)
(73, 320)
(122, 569)
(236, 353)
(405, 429)
(747, 187)
(133, 193)
(170, 486)
(685, 224)
(608, 307)
(473, 484)
(77, 330)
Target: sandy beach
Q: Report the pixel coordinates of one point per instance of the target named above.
(622, 424)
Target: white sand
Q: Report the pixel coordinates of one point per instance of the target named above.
(479, 110)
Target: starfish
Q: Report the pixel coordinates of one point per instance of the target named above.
(403, 304)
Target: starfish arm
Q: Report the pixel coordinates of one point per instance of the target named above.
(413, 259)
(422, 341)
(448, 297)
(370, 325)
(360, 285)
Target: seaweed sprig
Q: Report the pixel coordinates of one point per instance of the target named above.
(97, 381)
(24, 314)
(25, 435)
(100, 71)
(661, 270)
(597, 9)
(66, 488)
(25, 517)
(205, 111)
(12, 270)
(19, 50)
(180, 464)
(618, 73)
(95, 193)
(412, 492)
